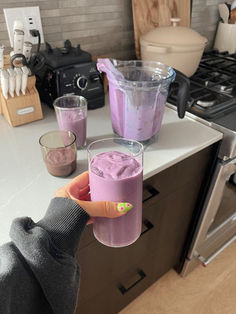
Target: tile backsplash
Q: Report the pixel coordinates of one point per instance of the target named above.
(102, 27)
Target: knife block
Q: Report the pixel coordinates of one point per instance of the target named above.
(22, 109)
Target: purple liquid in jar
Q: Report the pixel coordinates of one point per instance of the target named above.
(116, 176)
(74, 121)
(61, 162)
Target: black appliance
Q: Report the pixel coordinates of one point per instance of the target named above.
(212, 101)
(69, 70)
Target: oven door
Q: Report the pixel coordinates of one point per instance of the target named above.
(217, 225)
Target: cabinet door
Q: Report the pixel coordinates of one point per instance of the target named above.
(177, 211)
(121, 291)
(101, 265)
(112, 278)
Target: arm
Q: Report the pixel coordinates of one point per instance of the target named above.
(40, 273)
(38, 270)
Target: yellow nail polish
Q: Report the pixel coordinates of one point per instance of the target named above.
(124, 207)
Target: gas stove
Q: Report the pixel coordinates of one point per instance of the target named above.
(212, 87)
(213, 96)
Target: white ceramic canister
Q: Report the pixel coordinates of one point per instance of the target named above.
(226, 37)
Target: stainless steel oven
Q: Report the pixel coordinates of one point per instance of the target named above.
(216, 228)
(213, 102)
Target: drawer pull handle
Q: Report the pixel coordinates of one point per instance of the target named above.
(124, 290)
(152, 191)
(148, 226)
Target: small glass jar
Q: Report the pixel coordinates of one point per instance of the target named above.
(59, 152)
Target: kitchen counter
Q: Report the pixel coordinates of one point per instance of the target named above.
(25, 185)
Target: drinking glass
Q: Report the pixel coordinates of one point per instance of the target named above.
(71, 112)
(59, 152)
(116, 174)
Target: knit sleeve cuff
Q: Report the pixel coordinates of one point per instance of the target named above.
(64, 221)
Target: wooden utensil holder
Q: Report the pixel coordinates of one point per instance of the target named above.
(22, 109)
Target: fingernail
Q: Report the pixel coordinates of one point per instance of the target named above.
(124, 207)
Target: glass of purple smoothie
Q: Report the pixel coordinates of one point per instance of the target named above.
(116, 174)
(71, 112)
(59, 152)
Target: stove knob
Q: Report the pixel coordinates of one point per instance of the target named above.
(82, 82)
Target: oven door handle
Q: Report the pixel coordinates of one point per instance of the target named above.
(206, 261)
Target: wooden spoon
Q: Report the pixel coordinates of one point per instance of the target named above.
(224, 12)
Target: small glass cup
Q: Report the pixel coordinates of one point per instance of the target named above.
(59, 152)
(117, 177)
(71, 112)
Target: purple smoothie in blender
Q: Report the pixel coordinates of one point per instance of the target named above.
(138, 91)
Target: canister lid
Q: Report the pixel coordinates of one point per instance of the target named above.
(173, 35)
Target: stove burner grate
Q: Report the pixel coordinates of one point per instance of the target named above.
(213, 86)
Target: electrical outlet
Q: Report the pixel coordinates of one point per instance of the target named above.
(29, 16)
(31, 22)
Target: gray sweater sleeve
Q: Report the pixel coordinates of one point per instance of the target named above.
(38, 269)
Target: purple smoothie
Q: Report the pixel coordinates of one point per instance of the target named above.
(136, 116)
(61, 162)
(74, 121)
(116, 176)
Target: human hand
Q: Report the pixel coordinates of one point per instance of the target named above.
(79, 191)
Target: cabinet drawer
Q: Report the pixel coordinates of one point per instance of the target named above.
(121, 291)
(191, 169)
(101, 264)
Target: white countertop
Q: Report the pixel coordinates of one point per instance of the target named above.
(26, 188)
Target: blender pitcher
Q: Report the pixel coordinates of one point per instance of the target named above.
(138, 91)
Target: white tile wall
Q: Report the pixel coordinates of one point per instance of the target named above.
(102, 27)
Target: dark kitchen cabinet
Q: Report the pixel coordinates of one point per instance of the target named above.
(111, 278)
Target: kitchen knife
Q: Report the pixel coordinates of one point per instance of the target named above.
(1, 56)
(12, 81)
(25, 73)
(4, 83)
(18, 80)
